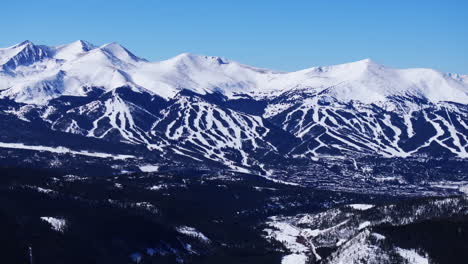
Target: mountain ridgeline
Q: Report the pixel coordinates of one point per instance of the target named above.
(213, 111)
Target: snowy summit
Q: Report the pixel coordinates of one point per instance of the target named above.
(36, 73)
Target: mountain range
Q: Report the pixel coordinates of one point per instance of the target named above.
(211, 110)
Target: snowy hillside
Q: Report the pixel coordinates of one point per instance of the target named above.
(210, 109)
(350, 234)
(30, 72)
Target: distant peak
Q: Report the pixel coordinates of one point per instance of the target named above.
(85, 45)
(361, 64)
(185, 55)
(83, 42)
(355, 68)
(24, 43)
(366, 61)
(199, 58)
(112, 44)
(119, 51)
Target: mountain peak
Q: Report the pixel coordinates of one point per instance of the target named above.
(20, 46)
(73, 50)
(364, 63)
(114, 45)
(350, 69)
(85, 45)
(24, 43)
(120, 52)
(24, 53)
(184, 55)
(198, 59)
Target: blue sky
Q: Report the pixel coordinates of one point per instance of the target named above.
(282, 35)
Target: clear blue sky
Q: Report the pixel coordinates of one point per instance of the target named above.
(282, 35)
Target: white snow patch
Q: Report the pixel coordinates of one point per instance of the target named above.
(288, 234)
(274, 109)
(158, 187)
(279, 181)
(378, 236)
(294, 259)
(43, 190)
(145, 205)
(364, 225)
(412, 256)
(192, 232)
(73, 178)
(64, 150)
(149, 168)
(58, 224)
(340, 242)
(464, 189)
(361, 207)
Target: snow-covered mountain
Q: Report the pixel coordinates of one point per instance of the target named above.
(111, 66)
(205, 108)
